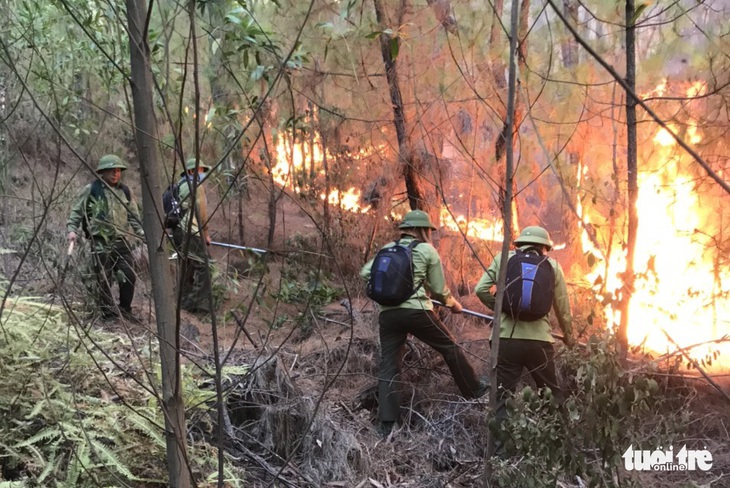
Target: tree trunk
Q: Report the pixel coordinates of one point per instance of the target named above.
(569, 46)
(505, 139)
(162, 282)
(225, 90)
(3, 167)
(442, 10)
(632, 170)
(507, 217)
(388, 44)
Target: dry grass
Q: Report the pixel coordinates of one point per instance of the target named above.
(309, 411)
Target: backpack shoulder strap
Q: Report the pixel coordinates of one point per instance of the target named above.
(126, 191)
(411, 246)
(96, 190)
(186, 179)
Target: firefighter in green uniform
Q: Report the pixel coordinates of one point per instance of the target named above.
(415, 316)
(528, 345)
(193, 233)
(107, 214)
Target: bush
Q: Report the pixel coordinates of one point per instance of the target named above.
(609, 408)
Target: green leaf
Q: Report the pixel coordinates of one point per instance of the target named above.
(637, 12)
(210, 115)
(394, 48)
(373, 35)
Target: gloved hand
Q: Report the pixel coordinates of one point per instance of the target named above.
(456, 307)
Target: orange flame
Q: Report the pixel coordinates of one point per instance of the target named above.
(681, 290)
(297, 157)
(347, 200)
(485, 230)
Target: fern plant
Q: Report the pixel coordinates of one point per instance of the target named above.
(61, 427)
(78, 408)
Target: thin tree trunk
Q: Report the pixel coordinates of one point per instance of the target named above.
(416, 195)
(327, 186)
(313, 124)
(160, 272)
(569, 55)
(505, 139)
(3, 162)
(223, 91)
(222, 414)
(632, 170)
(569, 46)
(442, 10)
(507, 216)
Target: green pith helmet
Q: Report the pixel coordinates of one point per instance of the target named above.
(110, 161)
(416, 218)
(190, 164)
(534, 235)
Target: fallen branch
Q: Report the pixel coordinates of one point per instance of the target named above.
(272, 471)
(321, 317)
(239, 322)
(698, 367)
(669, 355)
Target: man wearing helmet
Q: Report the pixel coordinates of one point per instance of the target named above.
(415, 316)
(107, 213)
(191, 235)
(528, 344)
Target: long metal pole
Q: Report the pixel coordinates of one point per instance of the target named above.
(486, 317)
(467, 311)
(233, 246)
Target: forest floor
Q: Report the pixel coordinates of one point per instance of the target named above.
(309, 413)
(305, 414)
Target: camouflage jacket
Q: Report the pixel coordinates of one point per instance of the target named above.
(107, 214)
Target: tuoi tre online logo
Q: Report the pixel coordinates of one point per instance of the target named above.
(667, 460)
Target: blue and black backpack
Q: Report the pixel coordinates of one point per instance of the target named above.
(530, 286)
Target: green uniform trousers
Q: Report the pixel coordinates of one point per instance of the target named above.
(395, 325)
(516, 355)
(113, 263)
(195, 277)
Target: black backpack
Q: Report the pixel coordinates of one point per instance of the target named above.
(172, 206)
(391, 275)
(530, 286)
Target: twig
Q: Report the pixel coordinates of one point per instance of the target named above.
(698, 367)
(669, 355)
(334, 321)
(275, 472)
(239, 322)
